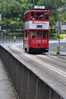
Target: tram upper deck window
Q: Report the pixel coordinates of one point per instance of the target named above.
(39, 16)
(28, 16)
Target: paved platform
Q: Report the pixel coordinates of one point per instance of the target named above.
(6, 89)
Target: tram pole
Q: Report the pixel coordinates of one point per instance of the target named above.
(59, 28)
(58, 36)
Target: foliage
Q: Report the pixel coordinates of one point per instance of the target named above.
(12, 10)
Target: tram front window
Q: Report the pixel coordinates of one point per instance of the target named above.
(39, 16)
(45, 35)
(39, 34)
(33, 34)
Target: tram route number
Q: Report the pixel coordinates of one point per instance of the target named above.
(39, 26)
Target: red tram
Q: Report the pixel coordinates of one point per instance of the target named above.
(36, 30)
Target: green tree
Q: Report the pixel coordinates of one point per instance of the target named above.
(13, 10)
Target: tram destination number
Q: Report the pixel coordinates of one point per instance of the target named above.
(39, 26)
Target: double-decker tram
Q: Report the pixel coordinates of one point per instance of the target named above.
(36, 30)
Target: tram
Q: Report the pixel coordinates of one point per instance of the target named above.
(36, 30)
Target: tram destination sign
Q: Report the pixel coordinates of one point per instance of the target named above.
(39, 7)
(37, 25)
